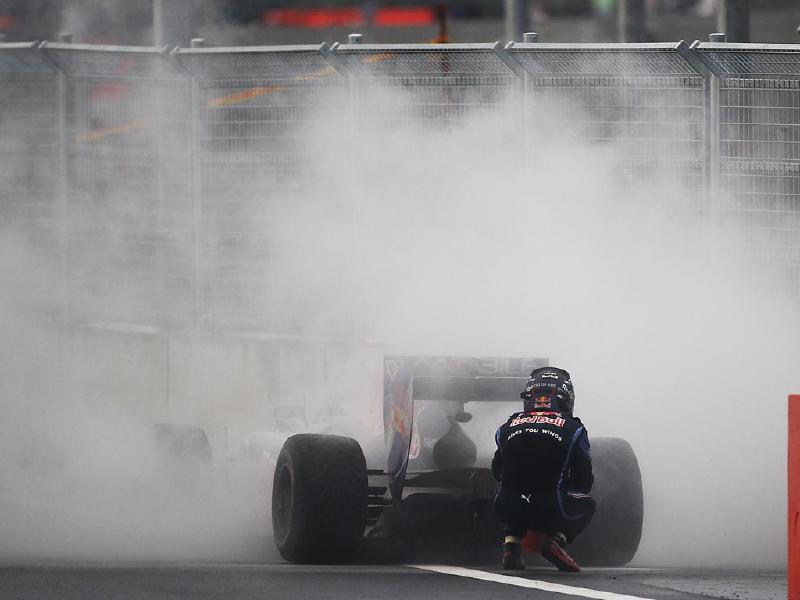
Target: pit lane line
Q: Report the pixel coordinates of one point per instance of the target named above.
(527, 583)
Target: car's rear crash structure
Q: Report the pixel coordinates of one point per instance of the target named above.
(437, 488)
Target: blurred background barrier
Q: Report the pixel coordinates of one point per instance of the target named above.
(283, 22)
(154, 175)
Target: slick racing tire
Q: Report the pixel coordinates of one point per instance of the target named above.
(612, 537)
(319, 499)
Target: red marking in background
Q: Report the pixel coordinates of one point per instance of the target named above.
(108, 92)
(313, 18)
(7, 22)
(113, 91)
(793, 504)
(316, 18)
(404, 17)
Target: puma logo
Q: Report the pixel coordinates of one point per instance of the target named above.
(526, 498)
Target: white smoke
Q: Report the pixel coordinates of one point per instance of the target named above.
(438, 240)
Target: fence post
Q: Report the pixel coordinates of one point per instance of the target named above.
(712, 103)
(510, 61)
(793, 504)
(353, 92)
(358, 205)
(197, 194)
(530, 37)
(710, 124)
(63, 182)
(714, 139)
(329, 54)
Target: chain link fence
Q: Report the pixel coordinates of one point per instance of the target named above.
(29, 183)
(648, 101)
(758, 115)
(161, 180)
(128, 241)
(440, 86)
(254, 109)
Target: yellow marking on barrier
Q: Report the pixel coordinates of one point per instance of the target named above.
(253, 93)
(230, 99)
(326, 72)
(96, 135)
(377, 58)
(243, 96)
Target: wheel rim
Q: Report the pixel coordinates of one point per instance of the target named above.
(282, 513)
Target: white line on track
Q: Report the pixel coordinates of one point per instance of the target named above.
(527, 583)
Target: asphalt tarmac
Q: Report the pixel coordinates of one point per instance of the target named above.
(163, 581)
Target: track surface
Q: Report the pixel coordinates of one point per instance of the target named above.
(391, 582)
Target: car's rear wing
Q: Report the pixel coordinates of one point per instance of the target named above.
(442, 378)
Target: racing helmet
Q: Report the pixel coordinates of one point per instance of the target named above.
(549, 389)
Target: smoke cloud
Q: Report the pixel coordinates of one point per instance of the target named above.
(436, 240)
(675, 341)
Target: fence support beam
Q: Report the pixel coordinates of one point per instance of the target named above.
(63, 180)
(710, 127)
(197, 195)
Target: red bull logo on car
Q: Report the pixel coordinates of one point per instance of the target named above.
(397, 411)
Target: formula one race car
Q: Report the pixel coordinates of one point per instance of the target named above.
(437, 487)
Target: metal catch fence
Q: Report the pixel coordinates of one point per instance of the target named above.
(253, 109)
(647, 100)
(442, 84)
(759, 146)
(29, 145)
(157, 182)
(128, 238)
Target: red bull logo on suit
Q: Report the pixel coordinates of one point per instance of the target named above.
(537, 419)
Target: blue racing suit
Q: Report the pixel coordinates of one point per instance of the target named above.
(544, 468)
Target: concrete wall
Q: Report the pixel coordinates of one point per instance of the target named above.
(229, 386)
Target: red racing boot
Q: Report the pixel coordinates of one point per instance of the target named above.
(553, 550)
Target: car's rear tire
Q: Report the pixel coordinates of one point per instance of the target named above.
(612, 537)
(319, 498)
